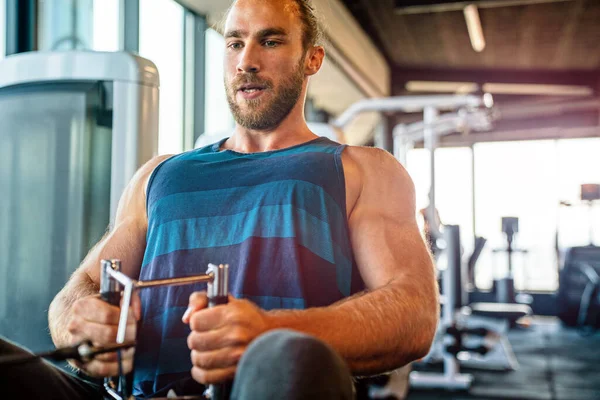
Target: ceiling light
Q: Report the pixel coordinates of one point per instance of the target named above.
(536, 89)
(474, 27)
(441, 87)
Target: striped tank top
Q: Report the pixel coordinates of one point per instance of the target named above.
(278, 218)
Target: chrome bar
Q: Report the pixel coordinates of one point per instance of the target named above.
(174, 281)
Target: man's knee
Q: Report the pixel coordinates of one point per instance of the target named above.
(288, 346)
(292, 364)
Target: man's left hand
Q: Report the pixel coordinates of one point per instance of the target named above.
(220, 335)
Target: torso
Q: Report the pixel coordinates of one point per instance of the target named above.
(279, 218)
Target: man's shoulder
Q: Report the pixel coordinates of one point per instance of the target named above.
(378, 170)
(144, 172)
(374, 161)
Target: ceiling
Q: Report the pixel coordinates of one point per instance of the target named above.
(526, 34)
(539, 56)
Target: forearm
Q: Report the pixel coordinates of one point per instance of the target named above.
(375, 332)
(79, 286)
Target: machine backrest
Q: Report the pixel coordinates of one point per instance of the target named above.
(572, 283)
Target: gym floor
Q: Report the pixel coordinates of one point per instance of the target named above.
(556, 363)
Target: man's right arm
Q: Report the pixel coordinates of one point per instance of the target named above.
(77, 313)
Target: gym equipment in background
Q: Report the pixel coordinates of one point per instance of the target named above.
(76, 126)
(579, 277)
(590, 193)
(474, 335)
(474, 113)
(505, 286)
(451, 378)
(579, 287)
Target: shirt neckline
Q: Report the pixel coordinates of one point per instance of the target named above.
(216, 148)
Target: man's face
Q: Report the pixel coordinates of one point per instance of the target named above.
(264, 62)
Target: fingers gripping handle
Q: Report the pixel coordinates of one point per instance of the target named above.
(217, 293)
(110, 291)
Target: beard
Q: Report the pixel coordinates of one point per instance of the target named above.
(262, 114)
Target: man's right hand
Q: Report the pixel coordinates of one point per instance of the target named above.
(95, 320)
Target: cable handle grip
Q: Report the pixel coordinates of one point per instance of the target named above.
(110, 292)
(110, 289)
(218, 293)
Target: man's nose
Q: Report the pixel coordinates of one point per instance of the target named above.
(249, 60)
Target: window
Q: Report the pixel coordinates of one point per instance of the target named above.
(528, 180)
(218, 116)
(517, 179)
(578, 163)
(454, 195)
(83, 25)
(64, 26)
(3, 28)
(161, 41)
(105, 31)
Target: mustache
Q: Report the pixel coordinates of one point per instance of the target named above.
(250, 79)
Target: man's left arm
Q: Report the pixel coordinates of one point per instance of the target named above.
(393, 322)
(389, 325)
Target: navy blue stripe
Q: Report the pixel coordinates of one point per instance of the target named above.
(271, 267)
(210, 203)
(283, 221)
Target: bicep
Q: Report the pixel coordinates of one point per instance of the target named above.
(386, 240)
(388, 249)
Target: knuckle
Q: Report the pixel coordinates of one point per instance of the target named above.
(193, 341)
(196, 358)
(73, 325)
(107, 334)
(195, 322)
(78, 306)
(233, 314)
(103, 314)
(238, 335)
(199, 375)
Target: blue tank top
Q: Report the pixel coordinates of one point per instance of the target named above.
(278, 218)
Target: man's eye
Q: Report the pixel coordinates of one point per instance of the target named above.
(271, 43)
(235, 46)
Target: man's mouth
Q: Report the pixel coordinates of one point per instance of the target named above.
(251, 88)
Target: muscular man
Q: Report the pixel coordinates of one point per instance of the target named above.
(329, 275)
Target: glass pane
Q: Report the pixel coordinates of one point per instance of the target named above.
(161, 41)
(454, 199)
(578, 163)
(55, 177)
(3, 28)
(106, 25)
(65, 25)
(517, 179)
(218, 115)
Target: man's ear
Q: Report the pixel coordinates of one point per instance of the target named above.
(315, 57)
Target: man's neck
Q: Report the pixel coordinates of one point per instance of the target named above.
(286, 135)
